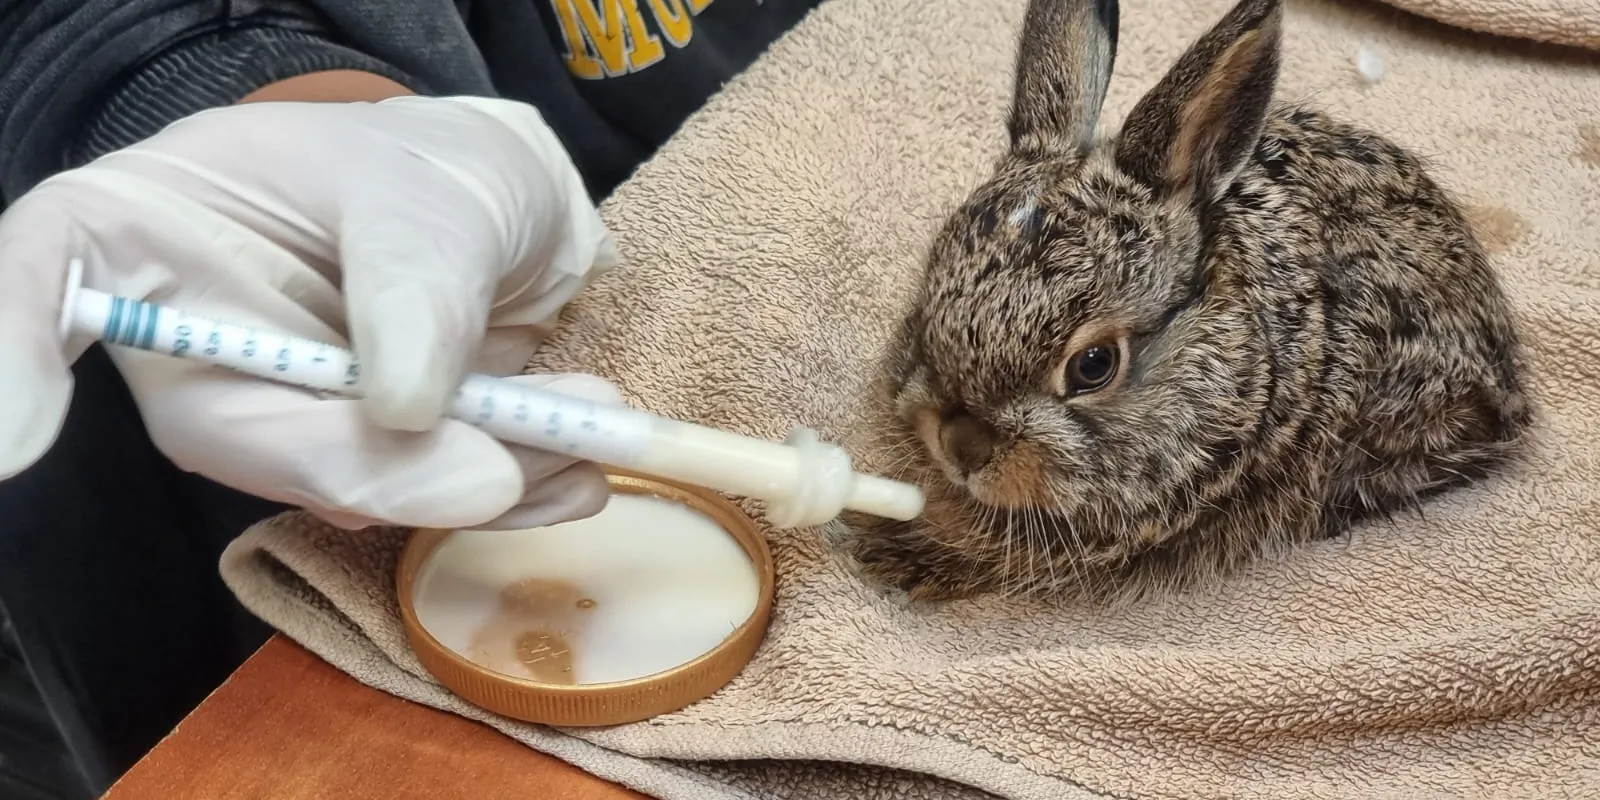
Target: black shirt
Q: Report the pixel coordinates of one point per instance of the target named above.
(614, 78)
(630, 82)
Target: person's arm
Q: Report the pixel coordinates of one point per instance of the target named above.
(334, 86)
(85, 77)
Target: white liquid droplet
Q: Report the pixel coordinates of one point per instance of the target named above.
(1370, 64)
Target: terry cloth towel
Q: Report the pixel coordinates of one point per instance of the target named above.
(1567, 22)
(768, 249)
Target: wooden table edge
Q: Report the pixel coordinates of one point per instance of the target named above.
(287, 725)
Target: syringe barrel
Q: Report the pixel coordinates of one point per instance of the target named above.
(614, 435)
(552, 421)
(154, 328)
(716, 459)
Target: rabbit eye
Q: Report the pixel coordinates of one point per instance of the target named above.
(1091, 369)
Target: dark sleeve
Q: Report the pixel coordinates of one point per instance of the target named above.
(108, 551)
(83, 77)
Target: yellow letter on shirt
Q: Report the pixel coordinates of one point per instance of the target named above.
(616, 35)
(579, 62)
(673, 21)
(646, 49)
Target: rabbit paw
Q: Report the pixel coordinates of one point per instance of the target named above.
(902, 556)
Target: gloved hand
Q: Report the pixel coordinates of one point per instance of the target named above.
(443, 234)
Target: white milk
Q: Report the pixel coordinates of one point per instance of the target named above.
(644, 586)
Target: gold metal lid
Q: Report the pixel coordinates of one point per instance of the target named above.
(599, 704)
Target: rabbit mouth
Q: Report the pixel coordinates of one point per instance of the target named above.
(1015, 479)
(1011, 473)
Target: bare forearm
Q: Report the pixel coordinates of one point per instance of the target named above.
(333, 86)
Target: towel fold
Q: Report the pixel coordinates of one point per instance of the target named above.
(1574, 23)
(768, 250)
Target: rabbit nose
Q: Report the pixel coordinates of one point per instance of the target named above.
(968, 442)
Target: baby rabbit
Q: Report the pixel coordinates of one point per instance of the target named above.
(1142, 362)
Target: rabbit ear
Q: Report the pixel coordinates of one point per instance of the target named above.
(1194, 131)
(1064, 61)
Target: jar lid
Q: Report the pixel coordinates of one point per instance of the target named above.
(638, 611)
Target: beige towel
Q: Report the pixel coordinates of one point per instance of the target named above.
(768, 248)
(1566, 22)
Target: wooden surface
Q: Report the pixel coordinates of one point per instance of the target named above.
(288, 726)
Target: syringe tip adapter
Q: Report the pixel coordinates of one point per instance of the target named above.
(885, 498)
(829, 485)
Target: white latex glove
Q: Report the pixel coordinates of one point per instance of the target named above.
(443, 234)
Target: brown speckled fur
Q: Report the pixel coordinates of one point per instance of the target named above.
(1313, 335)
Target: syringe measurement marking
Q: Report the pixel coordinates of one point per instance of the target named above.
(131, 323)
(151, 313)
(123, 323)
(558, 424)
(137, 324)
(180, 344)
(114, 321)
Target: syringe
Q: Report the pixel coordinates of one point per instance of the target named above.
(803, 481)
